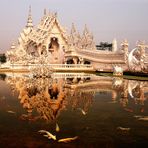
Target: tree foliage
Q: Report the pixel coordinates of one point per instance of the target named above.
(104, 46)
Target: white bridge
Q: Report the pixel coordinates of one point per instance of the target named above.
(98, 56)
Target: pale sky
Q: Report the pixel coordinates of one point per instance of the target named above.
(106, 19)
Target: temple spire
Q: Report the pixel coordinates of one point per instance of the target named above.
(73, 29)
(45, 12)
(85, 32)
(13, 46)
(29, 21)
(114, 45)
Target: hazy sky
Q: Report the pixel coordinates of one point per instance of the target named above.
(107, 19)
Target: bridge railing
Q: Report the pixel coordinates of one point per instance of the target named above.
(52, 66)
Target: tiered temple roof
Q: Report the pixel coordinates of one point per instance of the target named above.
(41, 33)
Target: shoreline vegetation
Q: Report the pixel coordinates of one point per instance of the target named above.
(127, 75)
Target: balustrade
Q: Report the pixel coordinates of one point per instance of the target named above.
(52, 66)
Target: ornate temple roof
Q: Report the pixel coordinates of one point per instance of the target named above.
(45, 27)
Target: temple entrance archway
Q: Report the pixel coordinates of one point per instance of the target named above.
(70, 61)
(54, 44)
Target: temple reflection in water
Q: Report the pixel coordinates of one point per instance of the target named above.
(45, 98)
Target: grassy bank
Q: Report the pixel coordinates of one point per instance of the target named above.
(130, 76)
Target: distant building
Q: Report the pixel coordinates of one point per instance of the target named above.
(108, 46)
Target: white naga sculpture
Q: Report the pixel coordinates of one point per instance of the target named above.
(136, 58)
(132, 60)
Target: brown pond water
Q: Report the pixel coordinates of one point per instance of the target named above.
(102, 112)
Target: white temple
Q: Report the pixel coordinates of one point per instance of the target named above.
(48, 43)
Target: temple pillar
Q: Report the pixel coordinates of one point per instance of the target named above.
(75, 60)
(124, 46)
(65, 61)
(81, 60)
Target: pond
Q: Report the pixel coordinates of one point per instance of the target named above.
(89, 110)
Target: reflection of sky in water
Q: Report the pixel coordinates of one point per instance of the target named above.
(99, 110)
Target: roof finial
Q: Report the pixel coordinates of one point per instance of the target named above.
(29, 21)
(73, 28)
(13, 45)
(85, 32)
(45, 11)
(56, 14)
